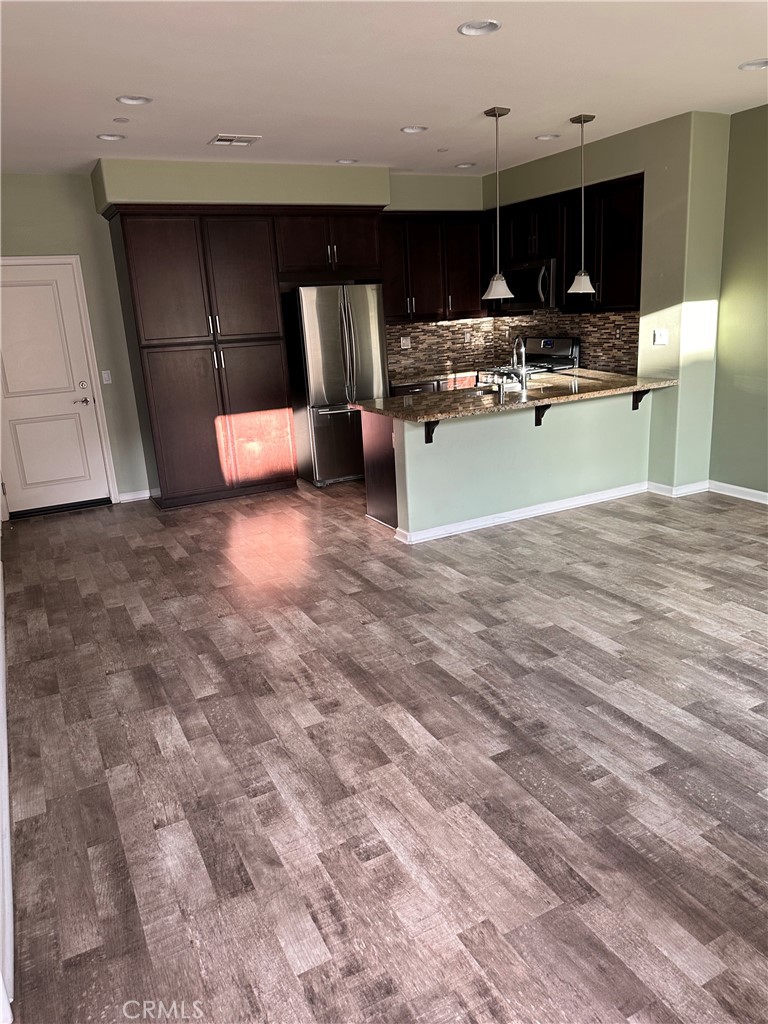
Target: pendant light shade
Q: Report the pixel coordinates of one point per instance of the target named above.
(581, 283)
(497, 289)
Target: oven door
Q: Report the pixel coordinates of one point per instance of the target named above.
(532, 284)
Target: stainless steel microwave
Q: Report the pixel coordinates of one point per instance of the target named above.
(532, 284)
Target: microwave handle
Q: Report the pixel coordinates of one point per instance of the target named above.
(542, 272)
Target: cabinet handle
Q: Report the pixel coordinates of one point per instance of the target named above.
(329, 255)
(335, 256)
(413, 304)
(221, 357)
(210, 324)
(450, 304)
(408, 302)
(215, 360)
(218, 328)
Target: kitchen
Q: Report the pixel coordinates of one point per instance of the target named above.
(267, 761)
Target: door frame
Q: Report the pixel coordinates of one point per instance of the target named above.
(90, 352)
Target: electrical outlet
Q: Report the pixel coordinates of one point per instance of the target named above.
(660, 336)
(106, 376)
(405, 341)
(467, 337)
(617, 334)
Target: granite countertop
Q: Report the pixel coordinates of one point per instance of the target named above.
(543, 389)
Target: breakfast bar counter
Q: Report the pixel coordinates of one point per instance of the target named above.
(544, 389)
(483, 467)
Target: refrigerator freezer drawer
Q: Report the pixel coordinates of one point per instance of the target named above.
(337, 445)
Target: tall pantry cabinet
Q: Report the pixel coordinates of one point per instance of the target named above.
(202, 311)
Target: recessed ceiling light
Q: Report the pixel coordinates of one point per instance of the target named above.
(109, 137)
(479, 28)
(414, 129)
(547, 136)
(134, 101)
(346, 161)
(758, 64)
(462, 166)
(121, 120)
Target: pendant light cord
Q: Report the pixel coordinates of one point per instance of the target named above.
(582, 196)
(498, 240)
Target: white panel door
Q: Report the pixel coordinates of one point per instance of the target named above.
(52, 450)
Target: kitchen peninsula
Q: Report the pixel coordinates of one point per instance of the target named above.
(452, 462)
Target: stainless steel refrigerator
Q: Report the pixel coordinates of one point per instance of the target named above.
(337, 356)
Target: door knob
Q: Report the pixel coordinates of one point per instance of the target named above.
(82, 401)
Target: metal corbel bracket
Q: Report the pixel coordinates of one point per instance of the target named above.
(429, 430)
(538, 414)
(637, 397)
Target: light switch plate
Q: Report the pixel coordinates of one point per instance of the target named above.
(106, 376)
(405, 341)
(660, 336)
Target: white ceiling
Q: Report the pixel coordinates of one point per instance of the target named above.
(327, 80)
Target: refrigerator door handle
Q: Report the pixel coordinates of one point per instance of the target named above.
(352, 349)
(344, 325)
(334, 412)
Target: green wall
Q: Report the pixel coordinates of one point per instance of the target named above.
(53, 215)
(488, 465)
(175, 181)
(435, 192)
(740, 428)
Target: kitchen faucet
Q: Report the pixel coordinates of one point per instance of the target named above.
(519, 370)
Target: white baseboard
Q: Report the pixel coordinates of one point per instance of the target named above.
(678, 492)
(529, 512)
(745, 493)
(133, 496)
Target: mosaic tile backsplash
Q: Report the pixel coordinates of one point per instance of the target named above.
(449, 347)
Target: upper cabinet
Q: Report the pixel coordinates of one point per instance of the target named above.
(340, 244)
(243, 275)
(618, 207)
(529, 230)
(195, 278)
(431, 266)
(167, 267)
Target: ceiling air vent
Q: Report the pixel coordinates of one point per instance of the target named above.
(234, 140)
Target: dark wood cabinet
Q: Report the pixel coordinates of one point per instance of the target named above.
(431, 266)
(394, 268)
(243, 276)
(618, 209)
(186, 410)
(165, 257)
(425, 268)
(258, 415)
(613, 241)
(215, 416)
(461, 238)
(532, 230)
(343, 244)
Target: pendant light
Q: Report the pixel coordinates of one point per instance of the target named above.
(497, 289)
(581, 283)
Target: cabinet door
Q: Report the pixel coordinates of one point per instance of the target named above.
(243, 275)
(425, 268)
(258, 417)
(355, 242)
(186, 411)
(462, 263)
(542, 222)
(394, 267)
(619, 211)
(303, 243)
(165, 261)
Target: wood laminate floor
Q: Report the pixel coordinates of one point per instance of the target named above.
(270, 764)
